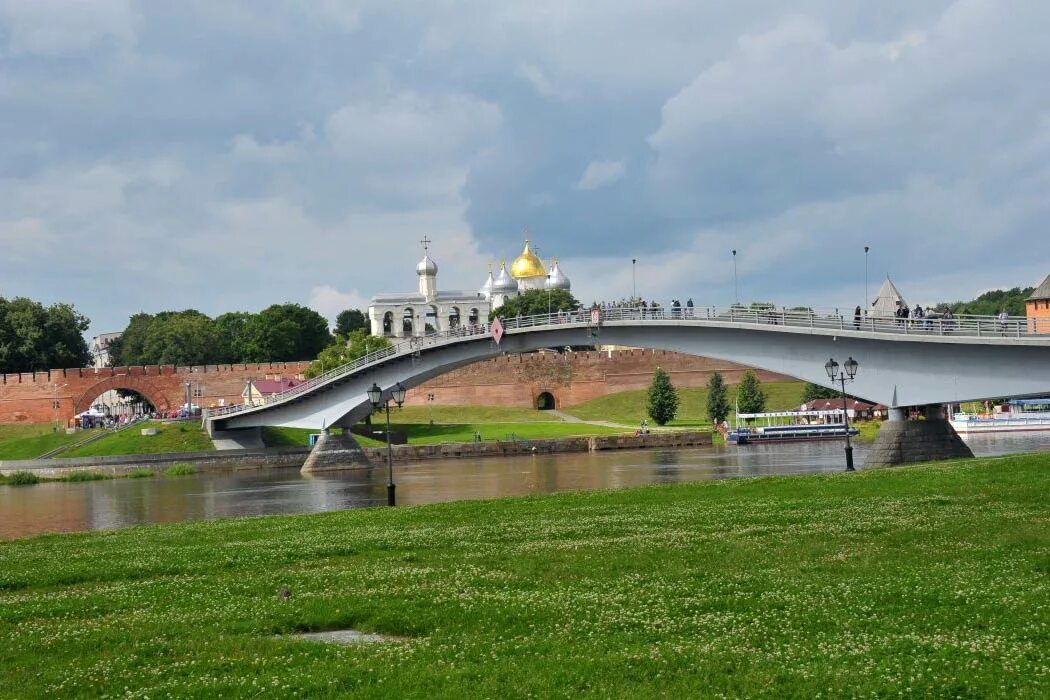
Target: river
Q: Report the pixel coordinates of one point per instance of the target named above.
(116, 503)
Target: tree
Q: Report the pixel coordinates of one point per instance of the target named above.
(350, 320)
(812, 392)
(231, 336)
(717, 398)
(534, 302)
(37, 337)
(183, 338)
(663, 398)
(991, 303)
(749, 395)
(284, 333)
(358, 344)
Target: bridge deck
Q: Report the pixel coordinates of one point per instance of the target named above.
(934, 329)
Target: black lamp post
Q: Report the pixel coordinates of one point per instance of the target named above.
(849, 368)
(375, 396)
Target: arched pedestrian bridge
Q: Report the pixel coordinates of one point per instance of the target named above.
(903, 362)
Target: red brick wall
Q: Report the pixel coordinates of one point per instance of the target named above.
(572, 378)
(29, 397)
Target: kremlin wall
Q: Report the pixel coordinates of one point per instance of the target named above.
(510, 380)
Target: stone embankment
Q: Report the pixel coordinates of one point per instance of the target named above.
(272, 457)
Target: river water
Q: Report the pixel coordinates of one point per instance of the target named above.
(98, 505)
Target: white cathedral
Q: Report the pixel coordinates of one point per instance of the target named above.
(430, 310)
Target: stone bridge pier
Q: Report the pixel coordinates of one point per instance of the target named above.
(902, 440)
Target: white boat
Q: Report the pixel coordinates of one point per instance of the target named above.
(790, 426)
(1024, 415)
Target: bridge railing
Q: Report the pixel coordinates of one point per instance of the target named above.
(834, 319)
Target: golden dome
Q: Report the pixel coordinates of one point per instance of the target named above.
(527, 265)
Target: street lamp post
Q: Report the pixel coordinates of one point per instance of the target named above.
(375, 395)
(849, 368)
(634, 278)
(736, 289)
(189, 405)
(866, 298)
(430, 406)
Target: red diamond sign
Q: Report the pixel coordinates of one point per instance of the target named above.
(497, 330)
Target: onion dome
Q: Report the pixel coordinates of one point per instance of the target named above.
(527, 265)
(556, 279)
(426, 266)
(504, 283)
(486, 289)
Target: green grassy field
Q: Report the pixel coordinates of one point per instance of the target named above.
(628, 407)
(173, 437)
(31, 441)
(927, 581)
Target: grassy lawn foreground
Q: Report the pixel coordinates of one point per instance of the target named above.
(921, 581)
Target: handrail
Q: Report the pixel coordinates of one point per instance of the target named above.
(930, 325)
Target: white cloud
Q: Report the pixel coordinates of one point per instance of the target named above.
(329, 301)
(600, 173)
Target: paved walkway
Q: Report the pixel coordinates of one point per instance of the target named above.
(604, 423)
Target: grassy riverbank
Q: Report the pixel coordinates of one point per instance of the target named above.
(629, 406)
(923, 581)
(32, 440)
(170, 437)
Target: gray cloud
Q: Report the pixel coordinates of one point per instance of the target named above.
(217, 155)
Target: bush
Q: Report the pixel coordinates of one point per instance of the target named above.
(86, 476)
(663, 398)
(181, 469)
(140, 473)
(23, 479)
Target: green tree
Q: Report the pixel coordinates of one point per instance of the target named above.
(663, 398)
(350, 320)
(717, 398)
(182, 338)
(231, 336)
(358, 344)
(534, 302)
(284, 333)
(128, 349)
(991, 303)
(812, 392)
(749, 395)
(37, 337)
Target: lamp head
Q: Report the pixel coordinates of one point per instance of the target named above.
(831, 367)
(851, 366)
(399, 394)
(374, 394)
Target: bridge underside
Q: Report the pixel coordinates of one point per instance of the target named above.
(897, 371)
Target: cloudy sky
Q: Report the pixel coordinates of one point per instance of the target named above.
(230, 155)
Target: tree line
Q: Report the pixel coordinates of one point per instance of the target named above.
(278, 333)
(34, 337)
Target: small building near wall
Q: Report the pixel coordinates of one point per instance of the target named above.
(256, 391)
(1037, 308)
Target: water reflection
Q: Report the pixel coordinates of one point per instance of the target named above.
(59, 507)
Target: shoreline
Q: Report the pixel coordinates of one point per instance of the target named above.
(284, 457)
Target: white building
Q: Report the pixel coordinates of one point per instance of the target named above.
(431, 310)
(100, 349)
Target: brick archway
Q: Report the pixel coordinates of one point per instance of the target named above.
(142, 385)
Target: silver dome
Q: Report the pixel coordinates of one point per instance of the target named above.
(426, 266)
(504, 284)
(486, 289)
(557, 280)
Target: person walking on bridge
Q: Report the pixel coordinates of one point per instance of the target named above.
(856, 317)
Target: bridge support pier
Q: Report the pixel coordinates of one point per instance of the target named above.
(335, 453)
(903, 441)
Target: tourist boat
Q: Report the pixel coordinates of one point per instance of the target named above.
(790, 426)
(1021, 415)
